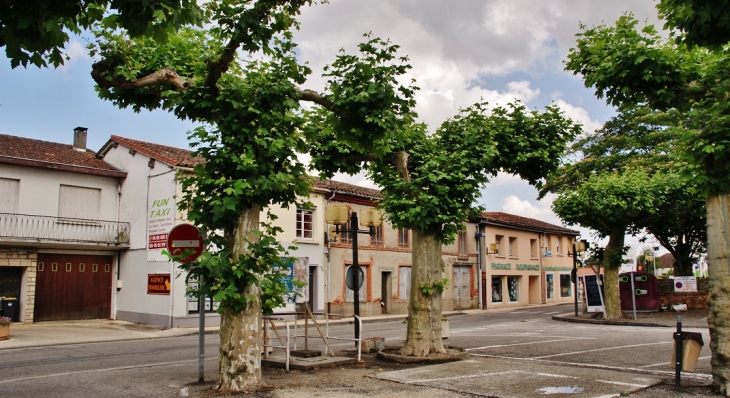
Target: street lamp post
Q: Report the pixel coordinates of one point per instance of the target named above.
(338, 216)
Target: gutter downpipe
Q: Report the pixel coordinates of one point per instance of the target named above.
(329, 240)
(480, 267)
(540, 253)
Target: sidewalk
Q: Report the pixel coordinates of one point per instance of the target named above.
(100, 330)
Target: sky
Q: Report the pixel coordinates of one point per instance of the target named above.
(461, 51)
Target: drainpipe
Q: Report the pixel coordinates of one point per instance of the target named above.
(329, 240)
(480, 260)
(542, 271)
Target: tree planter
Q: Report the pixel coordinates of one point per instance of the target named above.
(4, 332)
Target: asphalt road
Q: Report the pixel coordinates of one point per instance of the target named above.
(513, 353)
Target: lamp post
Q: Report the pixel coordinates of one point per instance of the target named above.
(578, 246)
(338, 216)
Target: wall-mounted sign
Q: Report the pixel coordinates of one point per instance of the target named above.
(685, 284)
(158, 284)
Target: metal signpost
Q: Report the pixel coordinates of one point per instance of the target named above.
(181, 238)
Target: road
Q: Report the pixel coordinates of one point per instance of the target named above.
(522, 347)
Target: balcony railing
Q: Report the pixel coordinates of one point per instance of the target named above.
(61, 229)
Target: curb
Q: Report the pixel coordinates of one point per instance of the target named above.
(606, 322)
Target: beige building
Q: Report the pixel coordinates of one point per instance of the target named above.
(525, 261)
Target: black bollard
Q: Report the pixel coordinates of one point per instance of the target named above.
(678, 348)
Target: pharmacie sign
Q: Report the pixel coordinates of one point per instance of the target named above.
(158, 284)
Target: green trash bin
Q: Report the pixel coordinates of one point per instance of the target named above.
(10, 308)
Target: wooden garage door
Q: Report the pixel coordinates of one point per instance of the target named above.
(73, 287)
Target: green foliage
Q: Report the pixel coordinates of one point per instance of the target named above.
(225, 276)
(702, 23)
(35, 32)
(633, 67)
(432, 287)
(446, 169)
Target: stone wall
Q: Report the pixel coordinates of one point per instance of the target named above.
(28, 259)
(694, 300)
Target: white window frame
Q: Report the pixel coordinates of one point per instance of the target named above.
(301, 223)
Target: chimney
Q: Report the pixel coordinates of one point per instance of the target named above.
(80, 139)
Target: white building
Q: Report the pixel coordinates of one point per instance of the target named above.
(60, 229)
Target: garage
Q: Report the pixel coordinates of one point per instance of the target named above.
(71, 286)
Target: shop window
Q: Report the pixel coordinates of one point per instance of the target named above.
(550, 286)
(404, 283)
(533, 248)
(513, 288)
(496, 289)
(305, 224)
(512, 246)
(404, 238)
(565, 285)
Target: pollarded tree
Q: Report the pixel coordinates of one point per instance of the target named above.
(251, 141)
(640, 138)
(35, 32)
(629, 66)
(432, 181)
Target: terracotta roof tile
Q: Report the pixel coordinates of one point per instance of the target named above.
(173, 156)
(496, 217)
(29, 152)
(343, 187)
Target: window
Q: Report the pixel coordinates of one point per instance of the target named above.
(54, 267)
(305, 224)
(513, 288)
(499, 240)
(107, 267)
(533, 248)
(68, 267)
(9, 195)
(548, 243)
(404, 238)
(496, 289)
(559, 245)
(40, 266)
(346, 237)
(79, 202)
(350, 295)
(94, 267)
(565, 288)
(82, 267)
(512, 246)
(463, 245)
(377, 239)
(404, 283)
(550, 286)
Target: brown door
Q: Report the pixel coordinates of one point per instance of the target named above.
(70, 286)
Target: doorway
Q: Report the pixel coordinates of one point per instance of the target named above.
(462, 284)
(312, 288)
(386, 292)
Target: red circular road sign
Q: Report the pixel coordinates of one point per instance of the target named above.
(185, 237)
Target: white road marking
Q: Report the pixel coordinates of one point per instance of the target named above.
(566, 338)
(667, 363)
(459, 377)
(623, 384)
(600, 349)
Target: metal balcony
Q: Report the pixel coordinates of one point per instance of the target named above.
(44, 230)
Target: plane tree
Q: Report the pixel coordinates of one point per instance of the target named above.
(36, 32)
(431, 181)
(687, 73)
(641, 138)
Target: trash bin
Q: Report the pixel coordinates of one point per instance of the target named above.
(10, 308)
(691, 346)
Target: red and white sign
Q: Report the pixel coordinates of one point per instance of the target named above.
(158, 241)
(185, 237)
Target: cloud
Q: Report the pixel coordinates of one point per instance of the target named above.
(539, 210)
(580, 115)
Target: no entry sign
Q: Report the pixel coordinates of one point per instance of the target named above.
(185, 237)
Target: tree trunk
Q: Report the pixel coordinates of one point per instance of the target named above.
(424, 311)
(718, 299)
(611, 263)
(241, 332)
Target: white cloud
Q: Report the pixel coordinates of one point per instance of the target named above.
(580, 115)
(539, 210)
